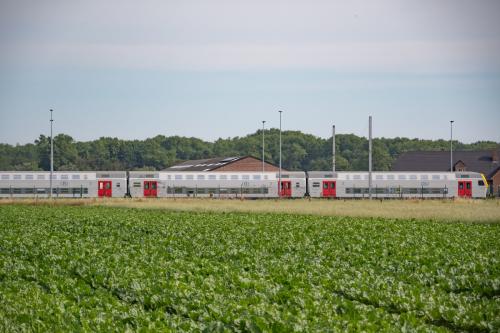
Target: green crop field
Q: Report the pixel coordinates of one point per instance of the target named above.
(118, 269)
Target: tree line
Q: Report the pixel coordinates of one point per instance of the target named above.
(300, 151)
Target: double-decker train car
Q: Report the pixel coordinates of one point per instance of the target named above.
(397, 184)
(216, 184)
(65, 184)
(226, 184)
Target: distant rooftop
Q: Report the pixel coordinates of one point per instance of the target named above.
(208, 164)
(246, 163)
(485, 162)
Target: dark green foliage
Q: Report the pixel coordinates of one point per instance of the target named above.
(82, 269)
(300, 151)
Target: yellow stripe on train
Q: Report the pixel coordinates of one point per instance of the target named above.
(485, 181)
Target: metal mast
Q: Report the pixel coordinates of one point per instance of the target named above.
(279, 174)
(51, 153)
(333, 148)
(370, 157)
(263, 122)
(451, 145)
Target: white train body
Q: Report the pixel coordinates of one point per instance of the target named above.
(397, 184)
(171, 184)
(65, 184)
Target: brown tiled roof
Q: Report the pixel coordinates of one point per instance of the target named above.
(209, 164)
(477, 161)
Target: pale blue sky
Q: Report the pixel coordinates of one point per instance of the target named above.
(213, 69)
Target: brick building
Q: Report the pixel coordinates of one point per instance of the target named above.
(234, 164)
(485, 162)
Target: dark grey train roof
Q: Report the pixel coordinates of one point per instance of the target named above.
(208, 164)
(476, 161)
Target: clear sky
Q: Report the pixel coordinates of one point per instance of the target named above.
(210, 69)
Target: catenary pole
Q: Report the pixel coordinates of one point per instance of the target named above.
(370, 157)
(51, 153)
(263, 123)
(333, 148)
(451, 145)
(279, 174)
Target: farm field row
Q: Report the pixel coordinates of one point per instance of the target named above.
(107, 269)
(465, 210)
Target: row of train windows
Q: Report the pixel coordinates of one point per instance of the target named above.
(41, 177)
(216, 190)
(215, 177)
(35, 190)
(397, 190)
(399, 177)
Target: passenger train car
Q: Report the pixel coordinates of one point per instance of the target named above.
(65, 184)
(171, 184)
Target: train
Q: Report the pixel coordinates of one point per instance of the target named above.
(287, 184)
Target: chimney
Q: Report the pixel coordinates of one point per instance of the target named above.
(494, 156)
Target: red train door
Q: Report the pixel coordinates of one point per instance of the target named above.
(154, 189)
(329, 189)
(465, 188)
(468, 188)
(150, 188)
(104, 188)
(286, 188)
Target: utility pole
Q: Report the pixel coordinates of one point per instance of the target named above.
(333, 148)
(263, 123)
(370, 157)
(51, 153)
(279, 174)
(451, 145)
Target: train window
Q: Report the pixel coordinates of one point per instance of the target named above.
(117, 184)
(461, 185)
(223, 177)
(178, 177)
(212, 177)
(53, 176)
(5, 177)
(468, 186)
(137, 184)
(297, 185)
(424, 177)
(245, 177)
(480, 183)
(347, 177)
(256, 177)
(325, 185)
(153, 185)
(402, 177)
(413, 177)
(40, 177)
(357, 177)
(201, 177)
(315, 184)
(29, 176)
(17, 176)
(332, 185)
(189, 177)
(379, 177)
(234, 176)
(146, 185)
(435, 177)
(64, 176)
(266, 177)
(75, 177)
(390, 177)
